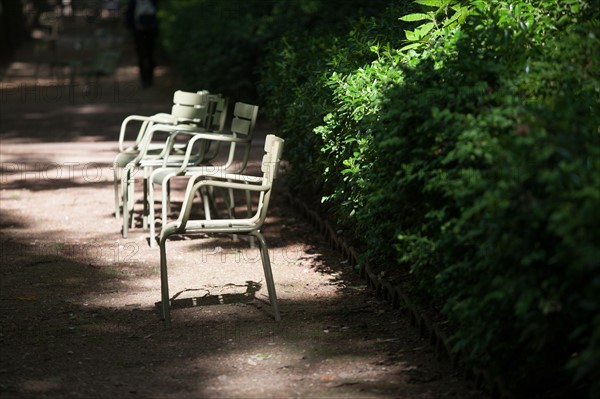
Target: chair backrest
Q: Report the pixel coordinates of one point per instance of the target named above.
(269, 167)
(216, 114)
(244, 119)
(189, 106)
(272, 157)
(242, 126)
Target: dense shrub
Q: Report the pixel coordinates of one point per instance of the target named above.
(467, 155)
(488, 174)
(296, 98)
(319, 87)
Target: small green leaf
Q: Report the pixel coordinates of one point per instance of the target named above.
(411, 46)
(416, 17)
(430, 3)
(410, 35)
(425, 28)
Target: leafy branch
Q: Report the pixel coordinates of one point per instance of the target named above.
(446, 15)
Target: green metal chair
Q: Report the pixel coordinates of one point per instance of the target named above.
(251, 226)
(188, 108)
(174, 151)
(242, 130)
(171, 154)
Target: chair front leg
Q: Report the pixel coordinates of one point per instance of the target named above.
(167, 200)
(206, 202)
(124, 195)
(211, 197)
(229, 199)
(116, 189)
(165, 191)
(131, 198)
(230, 203)
(145, 198)
(266, 261)
(151, 219)
(249, 215)
(164, 282)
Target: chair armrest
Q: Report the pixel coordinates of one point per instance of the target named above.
(196, 136)
(160, 118)
(232, 185)
(144, 119)
(219, 173)
(164, 118)
(194, 186)
(206, 135)
(148, 135)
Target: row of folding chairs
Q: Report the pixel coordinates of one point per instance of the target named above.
(188, 143)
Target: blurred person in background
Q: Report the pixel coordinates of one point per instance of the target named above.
(140, 18)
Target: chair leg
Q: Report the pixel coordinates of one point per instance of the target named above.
(167, 201)
(231, 203)
(206, 202)
(164, 282)
(266, 261)
(145, 198)
(124, 194)
(151, 220)
(231, 210)
(116, 187)
(248, 204)
(211, 199)
(131, 198)
(249, 214)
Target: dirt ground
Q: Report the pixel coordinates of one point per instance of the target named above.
(78, 303)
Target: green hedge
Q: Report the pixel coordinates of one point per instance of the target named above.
(469, 158)
(488, 174)
(319, 87)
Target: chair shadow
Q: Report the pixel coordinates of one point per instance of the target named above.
(209, 299)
